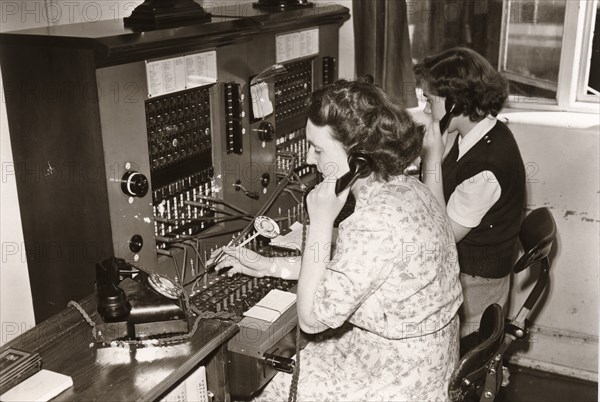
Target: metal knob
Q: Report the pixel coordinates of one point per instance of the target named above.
(266, 131)
(134, 184)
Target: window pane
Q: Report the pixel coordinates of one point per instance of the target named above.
(534, 33)
(594, 71)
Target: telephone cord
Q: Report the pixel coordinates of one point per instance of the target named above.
(293, 397)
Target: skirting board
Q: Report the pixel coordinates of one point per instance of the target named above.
(558, 351)
(554, 368)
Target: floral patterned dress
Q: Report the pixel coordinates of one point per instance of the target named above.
(390, 296)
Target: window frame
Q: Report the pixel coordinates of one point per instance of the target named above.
(574, 62)
(584, 70)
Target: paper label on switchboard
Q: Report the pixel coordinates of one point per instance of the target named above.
(272, 306)
(298, 44)
(182, 72)
(201, 68)
(165, 76)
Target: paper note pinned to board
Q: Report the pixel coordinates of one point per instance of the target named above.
(261, 103)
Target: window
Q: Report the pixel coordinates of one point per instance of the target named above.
(533, 33)
(549, 53)
(589, 88)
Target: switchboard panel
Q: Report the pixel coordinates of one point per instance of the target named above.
(174, 140)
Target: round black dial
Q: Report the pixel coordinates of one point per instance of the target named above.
(266, 131)
(134, 184)
(136, 243)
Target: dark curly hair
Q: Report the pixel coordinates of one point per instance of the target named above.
(363, 118)
(465, 77)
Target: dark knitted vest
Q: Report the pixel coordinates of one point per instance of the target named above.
(489, 250)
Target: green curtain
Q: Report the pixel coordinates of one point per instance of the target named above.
(382, 47)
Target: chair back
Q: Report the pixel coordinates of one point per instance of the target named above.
(537, 234)
(480, 369)
(469, 376)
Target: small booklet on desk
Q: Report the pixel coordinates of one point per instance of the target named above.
(41, 386)
(17, 365)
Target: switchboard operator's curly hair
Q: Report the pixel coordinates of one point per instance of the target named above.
(363, 118)
(467, 78)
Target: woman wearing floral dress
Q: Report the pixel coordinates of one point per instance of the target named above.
(384, 305)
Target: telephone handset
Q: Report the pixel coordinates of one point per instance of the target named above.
(451, 111)
(361, 165)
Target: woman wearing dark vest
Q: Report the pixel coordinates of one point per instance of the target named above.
(482, 175)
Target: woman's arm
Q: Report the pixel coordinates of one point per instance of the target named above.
(314, 262)
(459, 230)
(246, 261)
(470, 201)
(323, 207)
(431, 172)
(431, 162)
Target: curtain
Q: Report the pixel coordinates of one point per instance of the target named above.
(442, 24)
(382, 47)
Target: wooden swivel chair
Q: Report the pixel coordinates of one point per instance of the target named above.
(478, 375)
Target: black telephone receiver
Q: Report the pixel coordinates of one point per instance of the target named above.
(111, 299)
(451, 111)
(361, 165)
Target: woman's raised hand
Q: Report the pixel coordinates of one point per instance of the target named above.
(322, 204)
(434, 143)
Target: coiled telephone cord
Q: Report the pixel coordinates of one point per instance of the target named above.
(293, 397)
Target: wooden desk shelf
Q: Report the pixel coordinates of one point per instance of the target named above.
(66, 345)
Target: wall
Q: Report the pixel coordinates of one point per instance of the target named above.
(346, 58)
(16, 309)
(561, 153)
(16, 312)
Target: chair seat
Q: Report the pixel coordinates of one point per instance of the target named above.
(469, 376)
